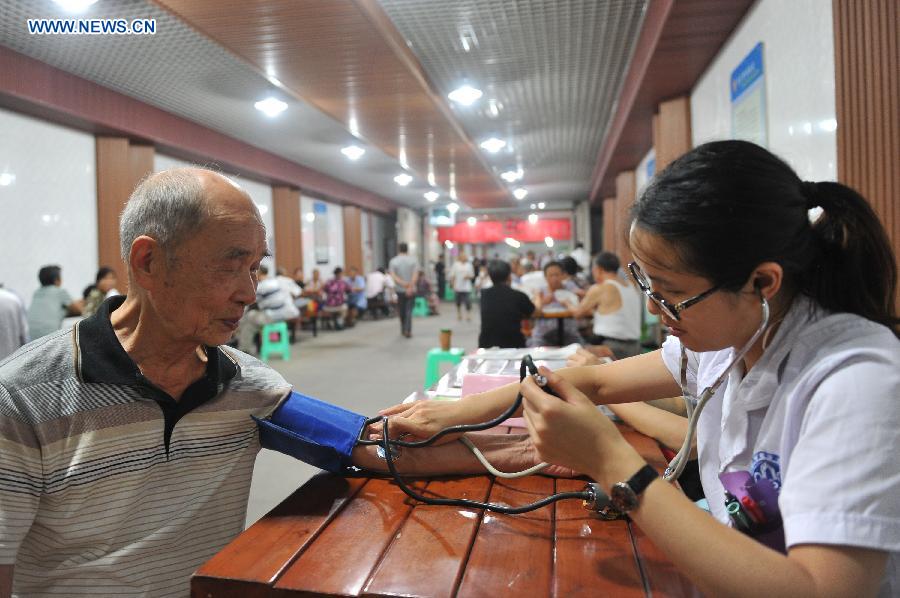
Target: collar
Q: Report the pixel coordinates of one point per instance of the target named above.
(101, 358)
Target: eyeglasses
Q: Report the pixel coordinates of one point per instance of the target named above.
(670, 309)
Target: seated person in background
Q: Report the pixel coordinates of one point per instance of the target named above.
(314, 289)
(502, 310)
(50, 303)
(336, 291)
(532, 280)
(273, 304)
(104, 286)
(424, 289)
(293, 289)
(148, 374)
(483, 280)
(546, 330)
(13, 323)
(573, 280)
(376, 283)
(356, 302)
(615, 306)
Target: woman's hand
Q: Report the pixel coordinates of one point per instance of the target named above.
(570, 431)
(420, 420)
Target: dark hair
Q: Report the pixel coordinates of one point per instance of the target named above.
(499, 271)
(102, 273)
(569, 265)
(48, 275)
(402, 248)
(338, 270)
(728, 206)
(579, 245)
(553, 264)
(607, 261)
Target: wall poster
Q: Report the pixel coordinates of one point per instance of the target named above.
(320, 232)
(748, 98)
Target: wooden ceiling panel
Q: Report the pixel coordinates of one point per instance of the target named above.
(345, 58)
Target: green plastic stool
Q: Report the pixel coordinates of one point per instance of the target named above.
(433, 361)
(420, 307)
(449, 295)
(274, 338)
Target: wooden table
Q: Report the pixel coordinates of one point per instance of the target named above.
(363, 537)
(560, 316)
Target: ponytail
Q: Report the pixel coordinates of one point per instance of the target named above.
(855, 269)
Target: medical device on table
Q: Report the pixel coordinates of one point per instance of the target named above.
(324, 435)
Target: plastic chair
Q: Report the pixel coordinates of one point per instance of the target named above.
(420, 307)
(433, 361)
(274, 338)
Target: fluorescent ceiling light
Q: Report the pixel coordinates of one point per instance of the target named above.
(354, 152)
(520, 193)
(512, 242)
(548, 241)
(403, 179)
(534, 206)
(310, 217)
(511, 176)
(74, 5)
(431, 195)
(542, 205)
(471, 220)
(493, 145)
(271, 107)
(453, 208)
(532, 218)
(465, 95)
(7, 179)
(494, 108)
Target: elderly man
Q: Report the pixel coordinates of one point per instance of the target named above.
(126, 445)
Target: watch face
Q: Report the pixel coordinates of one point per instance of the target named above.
(623, 497)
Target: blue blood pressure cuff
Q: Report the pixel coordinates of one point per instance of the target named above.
(317, 433)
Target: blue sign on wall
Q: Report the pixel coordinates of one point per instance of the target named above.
(747, 72)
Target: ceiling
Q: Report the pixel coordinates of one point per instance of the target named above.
(377, 74)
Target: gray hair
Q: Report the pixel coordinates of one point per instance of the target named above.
(166, 206)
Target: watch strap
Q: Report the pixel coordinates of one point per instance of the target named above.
(640, 480)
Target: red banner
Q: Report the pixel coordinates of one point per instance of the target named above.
(493, 231)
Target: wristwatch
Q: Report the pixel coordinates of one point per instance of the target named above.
(624, 495)
(599, 503)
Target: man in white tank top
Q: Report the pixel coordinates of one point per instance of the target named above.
(615, 306)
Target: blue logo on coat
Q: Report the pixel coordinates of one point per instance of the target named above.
(766, 466)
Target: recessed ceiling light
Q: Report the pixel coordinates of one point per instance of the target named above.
(548, 241)
(494, 108)
(403, 179)
(74, 5)
(532, 218)
(512, 242)
(542, 205)
(534, 206)
(511, 176)
(271, 107)
(354, 152)
(493, 145)
(465, 95)
(431, 195)
(471, 220)
(520, 193)
(453, 208)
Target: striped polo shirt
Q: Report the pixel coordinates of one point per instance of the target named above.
(108, 486)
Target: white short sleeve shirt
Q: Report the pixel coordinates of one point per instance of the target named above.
(819, 415)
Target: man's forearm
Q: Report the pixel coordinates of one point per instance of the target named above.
(506, 452)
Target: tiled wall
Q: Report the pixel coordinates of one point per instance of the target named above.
(798, 58)
(49, 205)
